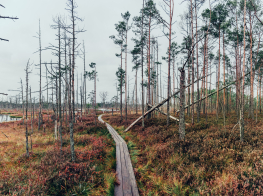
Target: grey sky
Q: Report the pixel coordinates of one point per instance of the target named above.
(99, 19)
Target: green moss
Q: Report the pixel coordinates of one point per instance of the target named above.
(15, 116)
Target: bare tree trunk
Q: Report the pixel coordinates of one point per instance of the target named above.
(136, 92)
(40, 90)
(73, 90)
(73, 67)
(27, 72)
(182, 105)
(257, 105)
(260, 78)
(207, 61)
(241, 121)
(66, 79)
(142, 68)
(157, 82)
(95, 97)
(224, 93)
(85, 83)
(197, 67)
(149, 67)
(169, 60)
(22, 100)
(188, 96)
(126, 73)
(193, 69)
(238, 66)
(121, 82)
(218, 79)
(47, 89)
(251, 108)
(77, 94)
(31, 107)
(60, 76)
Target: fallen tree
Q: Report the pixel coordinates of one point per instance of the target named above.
(213, 93)
(163, 113)
(161, 103)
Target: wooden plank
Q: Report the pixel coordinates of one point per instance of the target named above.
(126, 186)
(124, 169)
(131, 172)
(118, 191)
(117, 135)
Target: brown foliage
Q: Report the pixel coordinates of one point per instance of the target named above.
(211, 160)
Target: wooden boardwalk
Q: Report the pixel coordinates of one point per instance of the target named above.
(124, 167)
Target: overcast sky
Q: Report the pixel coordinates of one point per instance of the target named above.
(99, 19)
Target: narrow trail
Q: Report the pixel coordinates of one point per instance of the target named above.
(124, 167)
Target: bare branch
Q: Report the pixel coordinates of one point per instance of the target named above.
(7, 17)
(1, 39)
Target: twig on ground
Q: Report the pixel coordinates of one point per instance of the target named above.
(4, 134)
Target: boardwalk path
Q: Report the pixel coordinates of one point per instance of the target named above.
(124, 167)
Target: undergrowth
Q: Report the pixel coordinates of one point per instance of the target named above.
(211, 160)
(49, 169)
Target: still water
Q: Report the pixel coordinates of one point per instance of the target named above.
(7, 118)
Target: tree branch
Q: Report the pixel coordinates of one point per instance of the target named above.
(1, 39)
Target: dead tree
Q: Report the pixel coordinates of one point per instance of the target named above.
(6, 17)
(103, 96)
(182, 103)
(27, 73)
(22, 100)
(40, 77)
(31, 112)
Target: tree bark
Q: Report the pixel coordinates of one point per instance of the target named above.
(142, 36)
(169, 64)
(241, 121)
(218, 79)
(182, 107)
(40, 90)
(251, 108)
(193, 69)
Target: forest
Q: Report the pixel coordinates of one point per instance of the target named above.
(175, 109)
